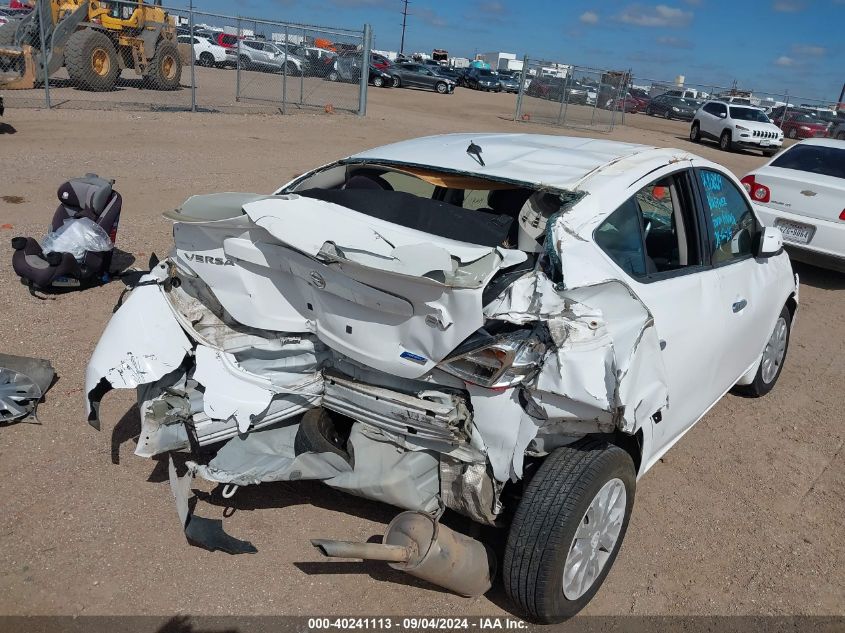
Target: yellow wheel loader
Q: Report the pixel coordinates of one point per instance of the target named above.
(94, 41)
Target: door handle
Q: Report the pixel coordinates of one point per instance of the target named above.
(739, 305)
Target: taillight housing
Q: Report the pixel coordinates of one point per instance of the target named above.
(758, 192)
(842, 215)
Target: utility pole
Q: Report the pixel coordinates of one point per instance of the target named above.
(404, 23)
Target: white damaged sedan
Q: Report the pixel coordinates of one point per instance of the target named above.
(511, 326)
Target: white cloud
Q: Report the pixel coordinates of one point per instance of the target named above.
(784, 61)
(808, 50)
(788, 6)
(674, 42)
(589, 17)
(660, 15)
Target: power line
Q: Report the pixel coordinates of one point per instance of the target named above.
(404, 23)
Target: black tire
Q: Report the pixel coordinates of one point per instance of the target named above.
(441, 87)
(291, 70)
(759, 387)
(206, 59)
(768, 153)
(397, 83)
(165, 69)
(725, 142)
(543, 529)
(378, 82)
(7, 32)
(695, 132)
(667, 115)
(7, 38)
(91, 60)
(840, 136)
(244, 62)
(793, 133)
(318, 433)
(333, 76)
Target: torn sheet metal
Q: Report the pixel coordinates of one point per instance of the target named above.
(230, 392)
(23, 382)
(141, 343)
(382, 471)
(505, 429)
(200, 531)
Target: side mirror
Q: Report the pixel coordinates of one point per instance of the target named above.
(723, 115)
(771, 242)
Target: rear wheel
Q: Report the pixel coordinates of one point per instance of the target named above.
(291, 69)
(695, 132)
(165, 69)
(440, 87)
(568, 529)
(725, 143)
(793, 133)
(319, 433)
(91, 60)
(206, 59)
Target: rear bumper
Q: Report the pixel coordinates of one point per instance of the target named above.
(827, 243)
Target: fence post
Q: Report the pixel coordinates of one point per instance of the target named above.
(43, 53)
(518, 114)
(302, 74)
(193, 55)
(238, 59)
(365, 71)
(285, 73)
(564, 102)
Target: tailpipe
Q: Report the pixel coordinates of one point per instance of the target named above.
(420, 546)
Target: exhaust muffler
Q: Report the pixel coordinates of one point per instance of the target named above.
(417, 544)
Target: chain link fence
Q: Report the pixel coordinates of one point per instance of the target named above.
(572, 96)
(130, 56)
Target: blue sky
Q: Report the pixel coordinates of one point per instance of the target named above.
(765, 45)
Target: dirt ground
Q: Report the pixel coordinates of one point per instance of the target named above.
(744, 516)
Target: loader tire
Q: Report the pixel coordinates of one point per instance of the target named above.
(165, 69)
(7, 33)
(91, 60)
(7, 38)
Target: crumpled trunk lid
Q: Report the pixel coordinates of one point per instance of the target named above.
(391, 297)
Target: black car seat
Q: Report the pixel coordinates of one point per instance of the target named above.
(88, 197)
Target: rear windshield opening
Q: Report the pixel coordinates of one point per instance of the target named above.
(461, 207)
(816, 159)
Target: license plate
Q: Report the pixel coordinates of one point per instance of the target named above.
(765, 142)
(795, 232)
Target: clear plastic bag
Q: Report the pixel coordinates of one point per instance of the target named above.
(76, 236)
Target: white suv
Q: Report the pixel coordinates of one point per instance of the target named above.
(206, 52)
(736, 126)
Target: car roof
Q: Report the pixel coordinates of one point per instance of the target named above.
(556, 162)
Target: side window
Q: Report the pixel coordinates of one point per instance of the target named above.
(712, 108)
(620, 236)
(654, 231)
(721, 108)
(733, 225)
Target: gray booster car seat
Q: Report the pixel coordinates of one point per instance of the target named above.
(78, 255)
